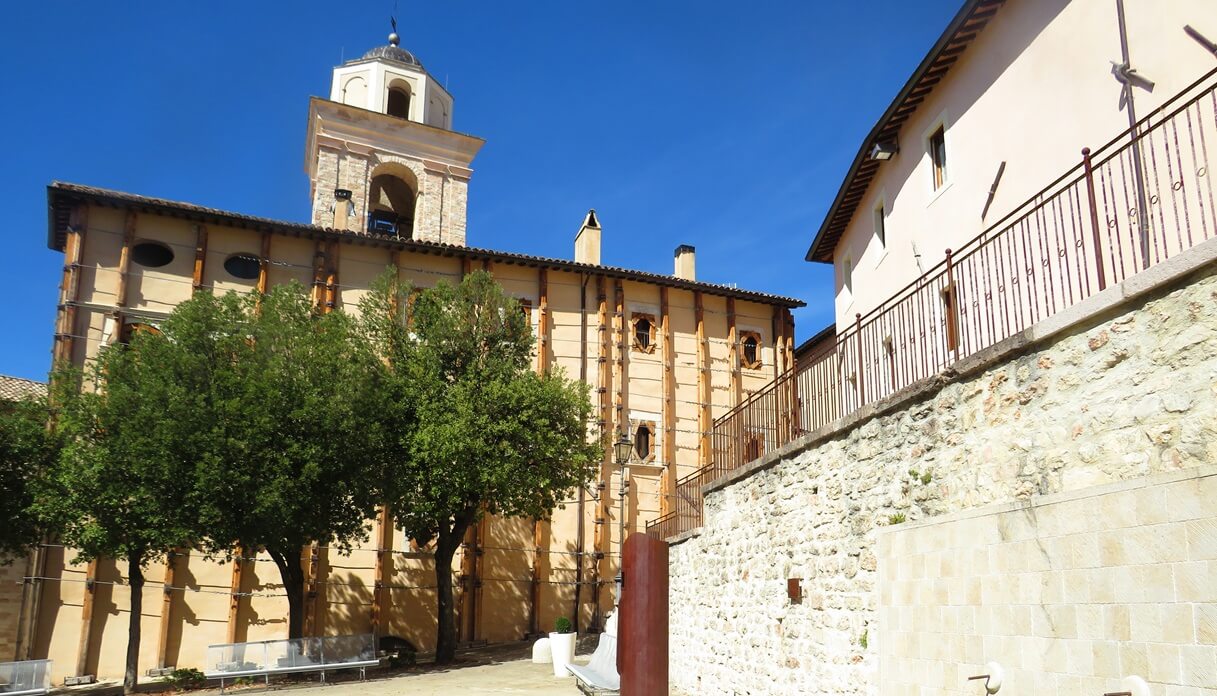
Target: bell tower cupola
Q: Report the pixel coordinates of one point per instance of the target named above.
(381, 154)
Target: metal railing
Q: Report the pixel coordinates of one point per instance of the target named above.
(1141, 198)
(25, 678)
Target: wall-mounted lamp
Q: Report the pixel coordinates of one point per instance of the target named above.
(884, 150)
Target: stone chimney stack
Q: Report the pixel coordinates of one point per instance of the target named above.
(686, 266)
(587, 242)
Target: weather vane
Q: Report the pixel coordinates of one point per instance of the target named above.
(393, 37)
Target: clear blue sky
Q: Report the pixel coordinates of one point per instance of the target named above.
(724, 125)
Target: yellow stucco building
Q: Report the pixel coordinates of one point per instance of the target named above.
(664, 356)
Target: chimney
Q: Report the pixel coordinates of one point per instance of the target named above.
(686, 266)
(587, 242)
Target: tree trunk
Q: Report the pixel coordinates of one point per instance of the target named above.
(292, 574)
(445, 549)
(136, 582)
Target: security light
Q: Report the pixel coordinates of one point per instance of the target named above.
(884, 150)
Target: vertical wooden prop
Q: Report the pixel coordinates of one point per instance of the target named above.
(703, 383)
(162, 647)
(733, 363)
(69, 288)
(331, 279)
(318, 295)
(124, 266)
(670, 473)
(539, 558)
(234, 597)
(200, 256)
(777, 329)
(602, 533)
(86, 620)
(621, 418)
(312, 588)
(381, 594)
(264, 265)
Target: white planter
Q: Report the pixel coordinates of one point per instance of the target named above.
(562, 646)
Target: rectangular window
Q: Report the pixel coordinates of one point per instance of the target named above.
(847, 274)
(938, 156)
(880, 229)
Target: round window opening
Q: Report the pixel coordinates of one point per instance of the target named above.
(151, 254)
(243, 266)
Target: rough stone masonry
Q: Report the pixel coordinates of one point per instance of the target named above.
(1127, 390)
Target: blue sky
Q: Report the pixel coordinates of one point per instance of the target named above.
(724, 125)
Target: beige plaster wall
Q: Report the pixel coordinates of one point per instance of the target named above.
(199, 612)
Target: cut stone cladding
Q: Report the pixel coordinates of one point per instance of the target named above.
(1118, 388)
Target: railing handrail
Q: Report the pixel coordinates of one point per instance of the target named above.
(1044, 255)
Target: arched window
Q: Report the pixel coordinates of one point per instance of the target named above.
(399, 102)
(750, 350)
(131, 328)
(391, 203)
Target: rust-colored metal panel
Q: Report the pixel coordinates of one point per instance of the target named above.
(642, 642)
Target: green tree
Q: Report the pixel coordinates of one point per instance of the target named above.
(483, 434)
(27, 452)
(289, 456)
(121, 488)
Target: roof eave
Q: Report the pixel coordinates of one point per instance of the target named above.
(814, 252)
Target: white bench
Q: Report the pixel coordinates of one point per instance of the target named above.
(231, 661)
(599, 676)
(25, 677)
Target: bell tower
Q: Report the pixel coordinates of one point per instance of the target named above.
(381, 154)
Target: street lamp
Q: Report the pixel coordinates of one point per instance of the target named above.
(623, 449)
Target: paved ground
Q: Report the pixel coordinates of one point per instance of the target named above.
(499, 669)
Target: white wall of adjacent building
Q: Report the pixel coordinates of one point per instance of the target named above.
(1033, 89)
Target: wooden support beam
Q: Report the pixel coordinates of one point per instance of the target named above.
(733, 364)
(382, 598)
(264, 265)
(479, 571)
(543, 350)
(86, 620)
(200, 256)
(704, 421)
(234, 597)
(69, 287)
(162, 646)
(602, 536)
(621, 416)
(124, 261)
(311, 589)
(331, 278)
(464, 599)
(539, 563)
(670, 473)
(318, 292)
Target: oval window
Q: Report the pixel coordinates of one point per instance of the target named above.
(244, 266)
(151, 254)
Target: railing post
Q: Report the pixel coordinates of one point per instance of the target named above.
(1094, 219)
(952, 308)
(858, 334)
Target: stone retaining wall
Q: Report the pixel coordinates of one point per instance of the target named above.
(1126, 388)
